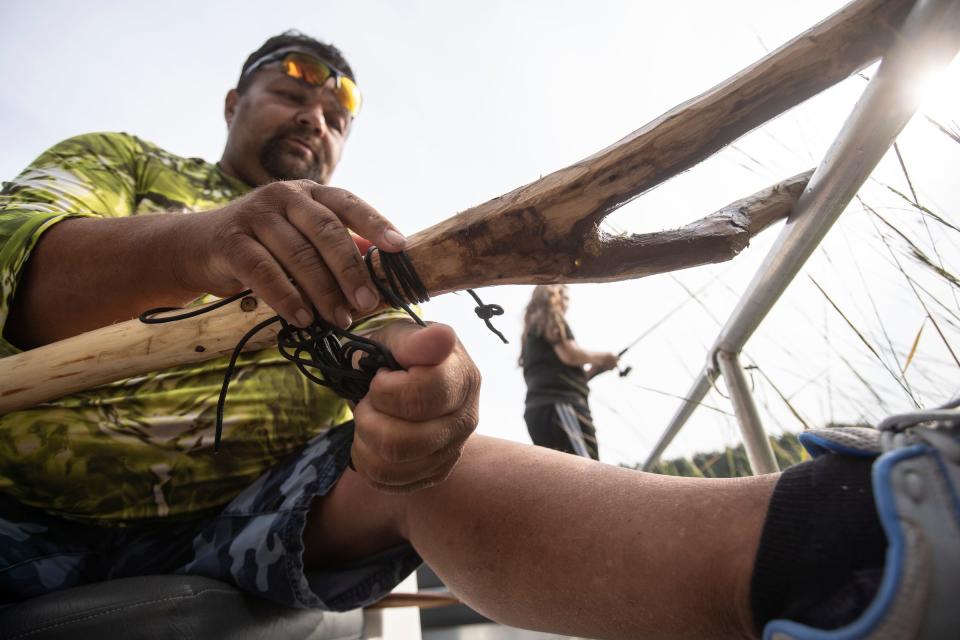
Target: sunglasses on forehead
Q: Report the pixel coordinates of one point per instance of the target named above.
(317, 72)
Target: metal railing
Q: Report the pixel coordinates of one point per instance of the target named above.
(929, 37)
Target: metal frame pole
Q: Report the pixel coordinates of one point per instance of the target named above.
(755, 441)
(930, 37)
(701, 385)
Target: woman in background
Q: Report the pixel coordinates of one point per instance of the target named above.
(557, 412)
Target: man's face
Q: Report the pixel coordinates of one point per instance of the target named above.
(282, 128)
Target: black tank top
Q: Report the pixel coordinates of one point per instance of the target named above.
(548, 379)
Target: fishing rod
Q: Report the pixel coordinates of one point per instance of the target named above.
(594, 372)
(690, 296)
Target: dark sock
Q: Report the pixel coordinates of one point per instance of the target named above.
(822, 549)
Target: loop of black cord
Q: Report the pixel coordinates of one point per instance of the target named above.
(320, 349)
(401, 278)
(147, 317)
(316, 351)
(324, 353)
(404, 286)
(487, 311)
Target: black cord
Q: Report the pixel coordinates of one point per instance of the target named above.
(317, 348)
(332, 352)
(327, 355)
(404, 286)
(487, 311)
(147, 317)
(401, 277)
(222, 399)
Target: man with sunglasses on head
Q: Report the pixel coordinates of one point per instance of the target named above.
(122, 480)
(93, 233)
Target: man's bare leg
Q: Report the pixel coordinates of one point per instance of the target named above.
(539, 539)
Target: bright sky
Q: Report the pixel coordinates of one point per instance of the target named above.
(464, 102)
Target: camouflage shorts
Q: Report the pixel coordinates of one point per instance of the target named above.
(254, 543)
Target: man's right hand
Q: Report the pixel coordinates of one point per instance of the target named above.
(288, 242)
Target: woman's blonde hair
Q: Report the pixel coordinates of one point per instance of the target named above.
(544, 314)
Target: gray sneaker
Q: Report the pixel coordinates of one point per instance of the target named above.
(916, 486)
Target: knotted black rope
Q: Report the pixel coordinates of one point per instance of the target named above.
(404, 286)
(314, 350)
(487, 311)
(324, 353)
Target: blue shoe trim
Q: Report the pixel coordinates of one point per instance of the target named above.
(893, 570)
(817, 445)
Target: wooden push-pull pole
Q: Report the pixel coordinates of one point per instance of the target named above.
(546, 231)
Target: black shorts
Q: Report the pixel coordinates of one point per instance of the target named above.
(255, 543)
(563, 426)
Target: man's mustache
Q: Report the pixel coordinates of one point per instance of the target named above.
(304, 134)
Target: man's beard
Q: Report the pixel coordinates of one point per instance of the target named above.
(280, 164)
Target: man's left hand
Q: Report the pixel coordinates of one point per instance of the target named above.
(412, 425)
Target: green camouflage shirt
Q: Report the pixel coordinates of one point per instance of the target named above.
(142, 447)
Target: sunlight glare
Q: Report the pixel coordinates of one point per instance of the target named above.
(939, 92)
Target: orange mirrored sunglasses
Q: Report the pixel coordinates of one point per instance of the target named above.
(317, 72)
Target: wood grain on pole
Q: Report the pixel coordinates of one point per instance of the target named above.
(132, 348)
(547, 231)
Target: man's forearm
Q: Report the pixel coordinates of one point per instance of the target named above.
(87, 273)
(287, 241)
